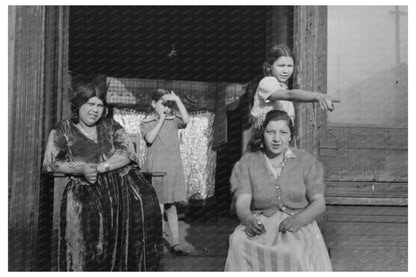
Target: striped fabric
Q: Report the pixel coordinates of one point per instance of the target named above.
(303, 250)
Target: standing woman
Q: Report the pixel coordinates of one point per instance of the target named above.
(110, 216)
(279, 193)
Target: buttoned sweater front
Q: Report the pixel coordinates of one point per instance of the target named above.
(300, 178)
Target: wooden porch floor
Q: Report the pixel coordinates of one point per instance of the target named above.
(354, 246)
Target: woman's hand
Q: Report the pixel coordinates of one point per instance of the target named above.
(253, 226)
(291, 224)
(90, 172)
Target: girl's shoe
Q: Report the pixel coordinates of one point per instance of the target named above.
(178, 252)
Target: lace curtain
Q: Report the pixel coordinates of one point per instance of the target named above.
(198, 157)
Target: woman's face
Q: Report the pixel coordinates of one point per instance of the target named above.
(282, 69)
(91, 111)
(276, 137)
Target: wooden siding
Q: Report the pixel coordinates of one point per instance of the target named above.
(365, 162)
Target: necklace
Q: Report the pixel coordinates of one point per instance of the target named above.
(85, 132)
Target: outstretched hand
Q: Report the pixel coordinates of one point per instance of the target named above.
(327, 103)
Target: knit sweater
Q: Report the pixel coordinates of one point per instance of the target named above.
(301, 178)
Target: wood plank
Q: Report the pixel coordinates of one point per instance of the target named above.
(366, 210)
(365, 242)
(366, 189)
(367, 218)
(370, 259)
(364, 165)
(368, 229)
(368, 246)
(356, 137)
(366, 201)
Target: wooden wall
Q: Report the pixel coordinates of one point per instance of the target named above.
(367, 197)
(365, 165)
(365, 226)
(36, 64)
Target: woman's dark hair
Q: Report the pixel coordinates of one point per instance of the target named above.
(275, 52)
(83, 92)
(257, 138)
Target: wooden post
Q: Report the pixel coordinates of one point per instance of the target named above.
(35, 81)
(310, 48)
(25, 125)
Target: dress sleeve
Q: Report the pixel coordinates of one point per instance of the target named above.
(145, 127)
(240, 177)
(122, 144)
(267, 86)
(56, 149)
(314, 179)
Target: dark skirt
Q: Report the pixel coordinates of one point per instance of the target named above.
(113, 225)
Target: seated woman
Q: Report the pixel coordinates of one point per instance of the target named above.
(279, 193)
(110, 216)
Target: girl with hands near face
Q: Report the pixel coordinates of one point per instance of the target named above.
(160, 131)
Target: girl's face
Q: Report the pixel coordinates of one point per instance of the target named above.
(91, 111)
(282, 68)
(161, 106)
(276, 137)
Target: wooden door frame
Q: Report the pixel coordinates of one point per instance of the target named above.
(310, 48)
(38, 62)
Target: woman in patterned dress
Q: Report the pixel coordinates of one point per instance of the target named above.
(110, 216)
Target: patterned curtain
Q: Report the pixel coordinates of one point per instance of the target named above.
(198, 157)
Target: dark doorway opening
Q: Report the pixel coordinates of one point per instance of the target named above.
(193, 43)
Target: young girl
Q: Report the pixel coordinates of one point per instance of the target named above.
(272, 92)
(160, 130)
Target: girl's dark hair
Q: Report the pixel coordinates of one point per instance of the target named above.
(158, 93)
(257, 138)
(83, 92)
(275, 52)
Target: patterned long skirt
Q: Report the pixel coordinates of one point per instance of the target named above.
(303, 250)
(113, 225)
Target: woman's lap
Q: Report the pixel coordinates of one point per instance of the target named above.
(103, 226)
(275, 251)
